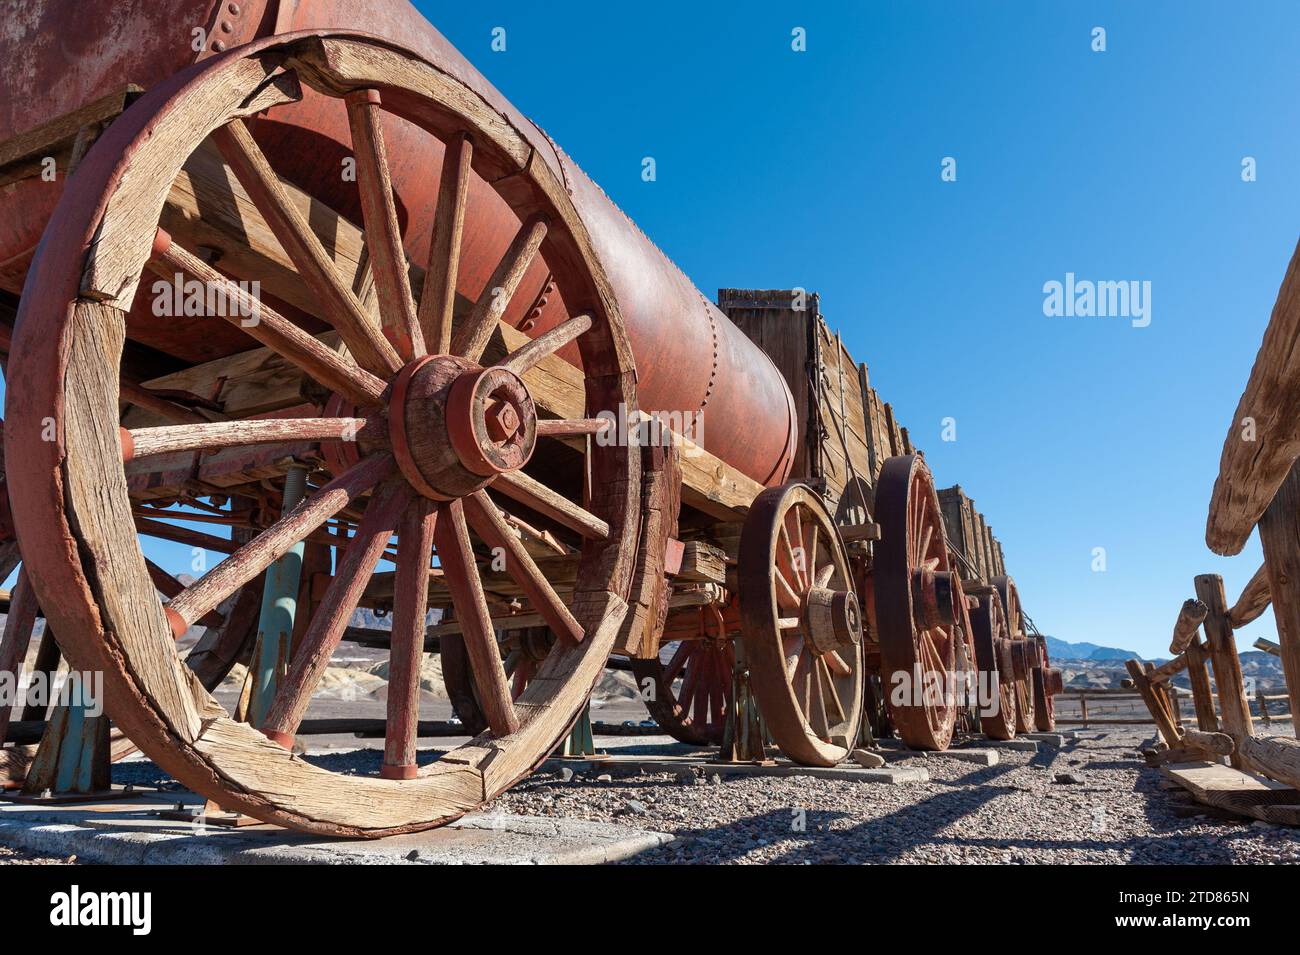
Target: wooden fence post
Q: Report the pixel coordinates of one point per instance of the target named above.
(1202, 695)
(1233, 706)
(1279, 533)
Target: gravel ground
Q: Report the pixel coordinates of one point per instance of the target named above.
(10, 856)
(1118, 812)
(1013, 812)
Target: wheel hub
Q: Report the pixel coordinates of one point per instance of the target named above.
(455, 426)
(832, 619)
(933, 598)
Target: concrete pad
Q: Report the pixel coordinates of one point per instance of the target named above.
(1021, 744)
(131, 833)
(1048, 739)
(625, 765)
(981, 757)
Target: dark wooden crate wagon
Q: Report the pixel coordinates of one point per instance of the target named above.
(325, 302)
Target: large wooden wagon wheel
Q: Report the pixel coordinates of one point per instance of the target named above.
(916, 596)
(801, 625)
(992, 652)
(689, 683)
(434, 432)
(1025, 654)
(1047, 683)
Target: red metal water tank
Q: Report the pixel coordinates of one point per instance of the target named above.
(57, 55)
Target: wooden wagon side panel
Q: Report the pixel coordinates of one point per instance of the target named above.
(879, 435)
(955, 506)
(846, 454)
(778, 323)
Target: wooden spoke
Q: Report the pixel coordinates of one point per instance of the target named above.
(824, 575)
(254, 557)
(834, 709)
(796, 537)
(456, 555)
(530, 492)
(439, 297)
(492, 527)
(529, 355)
(312, 658)
(810, 550)
(17, 637)
(343, 310)
(836, 663)
(817, 700)
(788, 623)
(473, 336)
(801, 682)
(793, 563)
(690, 681)
(169, 587)
(143, 442)
(785, 593)
(271, 328)
(677, 661)
(700, 698)
(793, 655)
(564, 428)
(47, 660)
(383, 231)
(414, 555)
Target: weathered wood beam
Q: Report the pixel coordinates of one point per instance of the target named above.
(1217, 744)
(1254, 600)
(1155, 702)
(1279, 534)
(1165, 671)
(1233, 706)
(1189, 619)
(1198, 673)
(1277, 757)
(1263, 438)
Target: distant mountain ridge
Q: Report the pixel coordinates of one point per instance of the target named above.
(1065, 650)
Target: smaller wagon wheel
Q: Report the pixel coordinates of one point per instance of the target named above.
(522, 653)
(997, 703)
(1025, 655)
(1047, 683)
(801, 625)
(967, 665)
(916, 592)
(690, 683)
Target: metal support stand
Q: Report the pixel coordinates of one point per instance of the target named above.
(745, 738)
(279, 607)
(72, 761)
(580, 744)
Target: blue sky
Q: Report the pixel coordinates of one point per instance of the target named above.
(821, 169)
